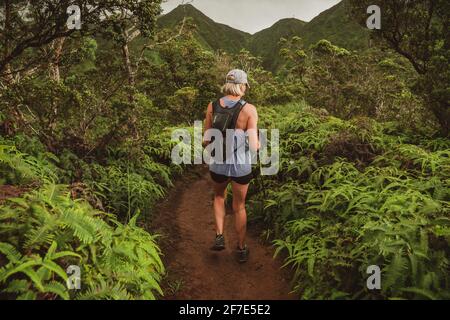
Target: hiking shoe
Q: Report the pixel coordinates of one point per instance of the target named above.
(243, 254)
(219, 243)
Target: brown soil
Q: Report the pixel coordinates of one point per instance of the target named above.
(186, 222)
(7, 191)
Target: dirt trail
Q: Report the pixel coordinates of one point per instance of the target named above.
(185, 220)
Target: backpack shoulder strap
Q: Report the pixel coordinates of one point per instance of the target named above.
(216, 106)
(237, 111)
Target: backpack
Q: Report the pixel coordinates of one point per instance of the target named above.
(226, 118)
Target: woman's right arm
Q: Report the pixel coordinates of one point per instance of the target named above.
(252, 129)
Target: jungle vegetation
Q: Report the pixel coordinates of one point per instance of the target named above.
(86, 118)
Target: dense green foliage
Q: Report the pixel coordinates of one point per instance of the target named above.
(31, 27)
(210, 34)
(419, 31)
(336, 25)
(264, 43)
(48, 229)
(351, 194)
(86, 119)
(333, 24)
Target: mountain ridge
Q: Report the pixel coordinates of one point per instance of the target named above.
(212, 34)
(265, 42)
(333, 24)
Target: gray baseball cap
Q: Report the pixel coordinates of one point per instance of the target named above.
(237, 76)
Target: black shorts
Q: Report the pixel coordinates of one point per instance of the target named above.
(218, 178)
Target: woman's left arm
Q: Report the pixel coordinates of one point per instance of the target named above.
(208, 124)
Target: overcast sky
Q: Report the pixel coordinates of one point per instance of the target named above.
(254, 15)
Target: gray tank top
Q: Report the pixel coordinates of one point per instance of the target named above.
(240, 164)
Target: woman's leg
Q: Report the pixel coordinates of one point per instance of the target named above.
(219, 205)
(240, 215)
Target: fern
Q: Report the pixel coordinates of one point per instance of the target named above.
(71, 232)
(333, 218)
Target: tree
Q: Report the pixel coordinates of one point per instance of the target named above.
(28, 25)
(294, 58)
(419, 31)
(35, 35)
(179, 66)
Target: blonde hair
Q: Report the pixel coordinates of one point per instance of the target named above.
(234, 89)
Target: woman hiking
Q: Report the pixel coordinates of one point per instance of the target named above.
(232, 112)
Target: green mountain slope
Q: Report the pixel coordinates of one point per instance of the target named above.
(211, 34)
(265, 42)
(336, 26)
(333, 24)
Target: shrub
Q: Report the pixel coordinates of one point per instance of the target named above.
(333, 218)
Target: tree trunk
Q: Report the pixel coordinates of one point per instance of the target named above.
(128, 66)
(129, 69)
(131, 82)
(8, 77)
(127, 60)
(57, 47)
(55, 75)
(442, 113)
